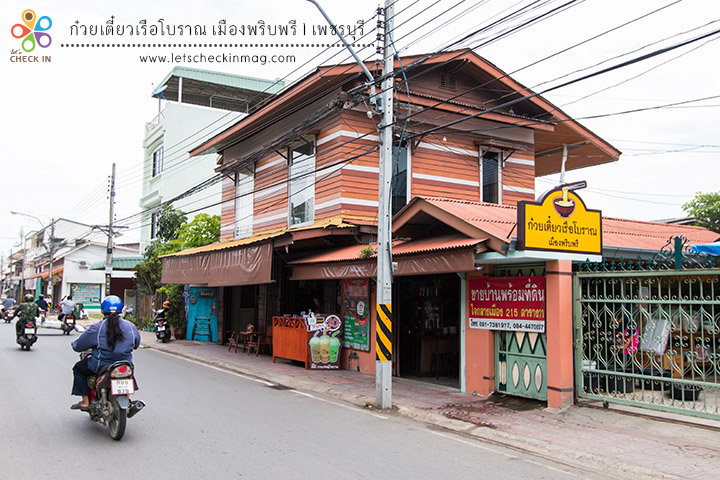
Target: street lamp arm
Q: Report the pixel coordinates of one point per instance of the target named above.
(30, 216)
(374, 100)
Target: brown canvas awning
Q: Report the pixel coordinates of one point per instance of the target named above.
(445, 261)
(244, 265)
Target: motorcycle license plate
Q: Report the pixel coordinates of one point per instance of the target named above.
(122, 387)
(29, 331)
(160, 329)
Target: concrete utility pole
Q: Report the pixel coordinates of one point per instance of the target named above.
(384, 340)
(51, 251)
(109, 257)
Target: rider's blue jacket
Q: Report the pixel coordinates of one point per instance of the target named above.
(95, 338)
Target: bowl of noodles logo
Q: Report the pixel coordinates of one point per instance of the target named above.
(564, 206)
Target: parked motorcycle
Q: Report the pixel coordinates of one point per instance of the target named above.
(109, 392)
(128, 311)
(27, 336)
(162, 325)
(67, 324)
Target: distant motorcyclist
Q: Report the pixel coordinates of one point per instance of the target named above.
(67, 307)
(25, 313)
(7, 303)
(112, 339)
(42, 304)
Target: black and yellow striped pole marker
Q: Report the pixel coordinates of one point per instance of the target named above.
(383, 339)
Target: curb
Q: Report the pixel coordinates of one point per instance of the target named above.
(582, 461)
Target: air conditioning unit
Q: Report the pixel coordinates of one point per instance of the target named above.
(83, 264)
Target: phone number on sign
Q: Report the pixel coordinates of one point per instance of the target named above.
(488, 324)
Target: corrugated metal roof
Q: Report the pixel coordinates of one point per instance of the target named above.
(400, 248)
(496, 220)
(636, 234)
(338, 221)
(500, 222)
(226, 79)
(118, 263)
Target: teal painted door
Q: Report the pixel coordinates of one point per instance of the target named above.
(521, 364)
(202, 314)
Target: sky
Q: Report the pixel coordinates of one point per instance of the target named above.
(69, 116)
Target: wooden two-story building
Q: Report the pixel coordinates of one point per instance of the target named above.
(300, 203)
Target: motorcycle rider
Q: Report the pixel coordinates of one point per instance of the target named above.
(7, 302)
(42, 305)
(112, 339)
(26, 312)
(68, 307)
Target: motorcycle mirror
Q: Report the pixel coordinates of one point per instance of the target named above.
(79, 328)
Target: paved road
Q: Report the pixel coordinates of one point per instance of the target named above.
(203, 422)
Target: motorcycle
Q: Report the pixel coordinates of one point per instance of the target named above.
(27, 336)
(7, 314)
(162, 326)
(128, 311)
(67, 324)
(109, 392)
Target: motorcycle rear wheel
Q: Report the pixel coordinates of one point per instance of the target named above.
(68, 328)
(117, 422)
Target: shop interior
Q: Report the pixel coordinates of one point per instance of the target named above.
(427, 313)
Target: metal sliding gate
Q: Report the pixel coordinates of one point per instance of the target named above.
(521, 357)
(521, 364)
(647, 334)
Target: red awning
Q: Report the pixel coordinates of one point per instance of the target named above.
(44, 275)
(244, 265)
(429, 256)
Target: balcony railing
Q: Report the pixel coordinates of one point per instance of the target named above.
(150, 126)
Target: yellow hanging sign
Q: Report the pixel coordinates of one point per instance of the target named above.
(559, 222)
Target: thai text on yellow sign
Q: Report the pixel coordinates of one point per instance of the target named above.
(560, 222)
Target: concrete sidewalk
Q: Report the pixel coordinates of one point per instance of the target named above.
(631, 443)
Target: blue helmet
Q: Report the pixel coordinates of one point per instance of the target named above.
(112, 305)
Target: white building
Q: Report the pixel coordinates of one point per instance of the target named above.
(197, 104)
(73, 247)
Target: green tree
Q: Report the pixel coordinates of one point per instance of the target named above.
(705, 207)
(203, 229)
(169, 220)
(148, 272)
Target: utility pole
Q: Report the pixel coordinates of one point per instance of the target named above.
(384, 340)
(22, 268)
(109, 257)
(52, 251)
(383, 324)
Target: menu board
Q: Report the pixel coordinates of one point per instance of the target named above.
(85, 293)
(355, 314)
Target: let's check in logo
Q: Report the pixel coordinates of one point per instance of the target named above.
(33, 33)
